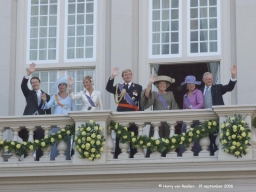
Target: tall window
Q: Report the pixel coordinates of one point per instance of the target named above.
(204, 27)
(80, 26)
(78, 86)
(47, 79)
(165, 33)
(43, 30)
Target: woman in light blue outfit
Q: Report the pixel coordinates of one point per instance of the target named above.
(62, 105)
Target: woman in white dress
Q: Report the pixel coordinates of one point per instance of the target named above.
(91, 99)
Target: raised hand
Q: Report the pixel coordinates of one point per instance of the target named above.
(31, 69)
(44, 97)
(70, 81)
(233, 70)
(153, 79)
(115, 72)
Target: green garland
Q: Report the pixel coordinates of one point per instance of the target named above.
(235, 136)
(161, 144)
(21, 148)
(89, 140)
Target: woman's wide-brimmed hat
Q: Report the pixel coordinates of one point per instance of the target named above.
(167, 79)
(191, 79)
(55, 86)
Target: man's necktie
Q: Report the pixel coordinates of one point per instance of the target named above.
(126, 86)
(38, 97)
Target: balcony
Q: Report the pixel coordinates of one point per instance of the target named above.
(221, 172)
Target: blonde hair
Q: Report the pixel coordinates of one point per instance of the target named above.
(126, 71)
(89, 78)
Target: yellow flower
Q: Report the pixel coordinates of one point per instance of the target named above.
(237, 153)
(232, 118)
(152, 138)
(181, 143)
(76, 138)
(141, 142)
(226, 150)
(234, 127)
(191, 129)
(60, 136)
(80, 150)
(12, 143)
(36, 141)
(103, 143)
(243, 122)
(43, 144)
(87, 145)
(157, 142)
(243, 134)
(52, 140)
(77, 129)
(225, 141)
(209, 123)
(31, 147)
(68, 132)
(79, 141)
(133, 139)
(101, 149)
(172, 147)
(1, 142)
(98, 156)
(198, 132)
(232, 147)
(81, 129)
(93, 150)
(100, 128)
(93, 135)
(86, 153)
(221, 135)
(63, 130)
(241, 148)
(227, 124)
(229, 137)
(125, 128)
(46, 137)
(24, 143)
(249, 135)
(209, 127)
(214, 123)
(189, 139)
(96, 128)
(246, 142)
(125, 136)
(233, 136)
(246, 150)
(83, 133)
(148, 144)
(234, 143)
(92, 155)
(119, 132)
(98, 136)
(97, 142)
(222, 126)
(241, 128)
(238, 144)
(222, 142)
(83, 146)
(132, 133)
(182, 139)
(190, 134)
(6, 147)
(88, 129)
(88, 138)
(92, 142)
(173, 140)
(18, 146)
(116, 126)
(163, 139)
(90, 158)
(91, 121)
(227, 133)
(167, 141)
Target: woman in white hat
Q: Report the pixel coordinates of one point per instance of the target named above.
(62, 105)
(161, 100)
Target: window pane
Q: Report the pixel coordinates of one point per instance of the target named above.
(165, 26)
(175, 3)
(193, 3)
(53, 20)
(80, 30)
(212, 12)
(89, 30)
(80, 42)
(34, 21)
(43, 10)
(33, 43)
(165, 15)
(156, 38)
(212, 2)
(52, 32)
(203, 2)
(71, 31)
(53, 9)
(88, 52)
(71, 42)
(194, 47)
(89, 41)
(213, 23)
(43, 32)
(71, 8)
(43, 21)
(52, 43)
(203, 47)
(165, 4)
(156, 15)
(42, 54)
(89, 8)
(156, 4)
(174, 14)
(213, 47)
(33, 32)
(213, 35)
(71, 54)
(80, 19)
(34, 10)
(203, 12)
(194, 36)
(42, 43)
(203, 24)
(174, 25)
(156, 50)
(174, 49)
(203, 35)
(156, 26)
(52, 54)
(89, 19)
(193, 13)
(165, 49)
(80, 8)
(174, 37)
(33, 55)
(79, 53)
(165, 38)
(71, 20)
(194, 24)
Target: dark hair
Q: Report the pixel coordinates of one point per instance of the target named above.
(35, 78)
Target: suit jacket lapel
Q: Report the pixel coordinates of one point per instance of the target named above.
(34, 95)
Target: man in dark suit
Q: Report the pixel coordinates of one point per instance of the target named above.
(129, 102)
(34, 104)
(213, 96)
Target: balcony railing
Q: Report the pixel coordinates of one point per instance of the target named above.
(9, 127)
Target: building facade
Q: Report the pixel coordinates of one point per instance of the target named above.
(170, 37)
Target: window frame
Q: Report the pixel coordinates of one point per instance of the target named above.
(28, 27)
(180, 31)
(95, 12)
(189, 54)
